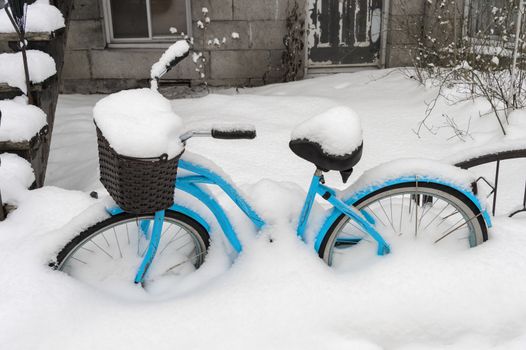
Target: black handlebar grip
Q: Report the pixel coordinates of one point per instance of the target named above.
(233, 134)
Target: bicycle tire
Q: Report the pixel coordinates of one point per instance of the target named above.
(477, 234)
(196, 233)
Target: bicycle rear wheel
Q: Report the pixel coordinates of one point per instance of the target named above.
(430, 212)
(109, 253)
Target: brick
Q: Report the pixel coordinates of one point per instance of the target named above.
(260, 10)
(267, 34)
(220, 29)
(76, 65)
(85, 9)
(85, 34)
(135, 64)
(217, 9)
(239, 64)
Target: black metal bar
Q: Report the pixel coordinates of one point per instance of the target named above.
(21, 36)
(2, 209)
(497, 170)
(490, 158)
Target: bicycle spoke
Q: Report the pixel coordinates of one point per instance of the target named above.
(456, 228)
(436, 216)
(108, 243)
(89, 250)
(390, 222)
(185, 261)
(117, 240)
(98, 246)
(77, 259)
(127, 233)
(171, 240)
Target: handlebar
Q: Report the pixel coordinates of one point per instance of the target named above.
(223, 132)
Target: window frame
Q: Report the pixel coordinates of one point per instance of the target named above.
(149, 42)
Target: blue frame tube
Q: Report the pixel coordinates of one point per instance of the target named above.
(152, 247)
(209, 177)
(359, 218)
(316, 187)
(216, 209)
(309, 201)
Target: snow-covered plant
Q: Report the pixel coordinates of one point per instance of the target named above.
(294, 41)
(467, 51)
(198, 54)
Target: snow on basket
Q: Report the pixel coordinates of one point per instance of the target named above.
(20, 121)
(338, 131)
(139, 148)
(41, 66)
(16, 176)
(41, 17)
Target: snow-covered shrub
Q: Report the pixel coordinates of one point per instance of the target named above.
(470, 48)
(293, 57)
(198, 54)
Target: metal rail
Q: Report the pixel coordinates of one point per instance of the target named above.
(497, 158)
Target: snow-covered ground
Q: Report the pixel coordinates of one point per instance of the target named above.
(275, 295)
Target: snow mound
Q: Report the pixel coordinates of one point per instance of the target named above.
(20, 121)
(514, 140)
(139, 123)
(407, 167)
(41, 66)
(179, 49)
(337, 131)
(16, 175)
(41, 17)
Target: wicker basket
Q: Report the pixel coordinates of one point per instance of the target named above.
(138, 185)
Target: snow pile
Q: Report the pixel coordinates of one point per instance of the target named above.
(41, 66)
(179, 49)
(20, 121)
(16, 175)
(337, 131)
(489, 143)
(409, 167)
(41, 17)
(517, 126)
(139, 123)
(279, 295)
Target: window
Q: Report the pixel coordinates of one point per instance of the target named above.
(146, 21)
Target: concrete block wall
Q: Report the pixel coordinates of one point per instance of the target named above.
(406, 21)
(92, 67)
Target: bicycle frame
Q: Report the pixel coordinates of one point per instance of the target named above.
(201, 175)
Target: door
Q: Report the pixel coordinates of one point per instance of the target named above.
(344, 32)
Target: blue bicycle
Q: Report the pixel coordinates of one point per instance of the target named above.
(175, 241)
(374, 213)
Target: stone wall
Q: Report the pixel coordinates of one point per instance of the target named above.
(92, 67)
(253, 59)
(406, 21)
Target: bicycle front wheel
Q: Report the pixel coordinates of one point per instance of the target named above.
(110, 252)
(430, 212)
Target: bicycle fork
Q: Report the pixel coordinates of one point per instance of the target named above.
(153, 245)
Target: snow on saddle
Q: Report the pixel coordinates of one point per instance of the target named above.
(331, 140)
